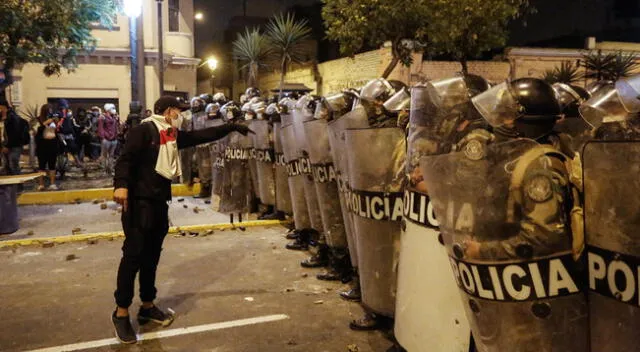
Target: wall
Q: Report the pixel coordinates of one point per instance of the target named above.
(88, 81)
(336, 75)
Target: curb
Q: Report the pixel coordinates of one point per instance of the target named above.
(120, 234)
(79, 195)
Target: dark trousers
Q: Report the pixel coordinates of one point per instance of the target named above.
(145, 226)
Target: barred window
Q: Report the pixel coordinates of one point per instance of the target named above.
(174, 15)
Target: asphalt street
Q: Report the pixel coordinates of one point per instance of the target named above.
(232, 291)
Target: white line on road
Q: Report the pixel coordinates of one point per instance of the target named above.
(166, 333)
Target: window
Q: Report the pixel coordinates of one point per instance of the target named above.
(174, 15)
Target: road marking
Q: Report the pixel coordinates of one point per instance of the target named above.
(167, 333)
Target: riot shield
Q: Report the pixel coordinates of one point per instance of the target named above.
(236, 192)
(217, 150)
(264, 156)
(375, 158)
(296, 178)
(302, 143)
(186, 154)
(503, 221)
(336, 133)
(428, 307)
(324, 176)
(253, 166)
(612, 222)
(283, 196)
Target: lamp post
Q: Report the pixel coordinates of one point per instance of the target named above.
(133, 9)
(160, 48)
(212, 62)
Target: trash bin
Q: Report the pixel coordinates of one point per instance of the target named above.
(9, 200)
(8, 209)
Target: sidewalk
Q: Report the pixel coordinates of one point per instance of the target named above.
(38, 221)
(64, 295)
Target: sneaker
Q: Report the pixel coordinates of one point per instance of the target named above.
(53, 187)
(124, 330)
(41, 188)
(155, 315)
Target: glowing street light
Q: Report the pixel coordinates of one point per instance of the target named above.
(133, 8)
(212, 62)
(199, 16)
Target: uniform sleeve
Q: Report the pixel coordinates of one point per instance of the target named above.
(135, 144)
(544, 228)
(188, 139)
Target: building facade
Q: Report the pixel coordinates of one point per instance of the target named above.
(104, 75)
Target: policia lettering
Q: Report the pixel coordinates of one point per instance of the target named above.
(524, 281)
(419, 209)
(264, 155)
(614, 275)
(280, 160)
(376, 205)
(237, 154)
(323, 173)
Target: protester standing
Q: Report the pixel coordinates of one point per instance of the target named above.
(108, 125)
(142, 182)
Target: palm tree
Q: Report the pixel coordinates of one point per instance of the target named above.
(286, 35)
(565, 73)
(611, 66)
(252, 49)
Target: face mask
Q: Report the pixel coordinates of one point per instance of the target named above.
(113, 111)
(177, 122)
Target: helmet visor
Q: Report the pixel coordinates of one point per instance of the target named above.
(447, 93)
(497, 106)
(604, 106)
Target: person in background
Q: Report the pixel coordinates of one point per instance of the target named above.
(67, 135)
(82, 123)
(47, 145)
(108, 126)
(96, 143)
(4, 151)
(17, 131)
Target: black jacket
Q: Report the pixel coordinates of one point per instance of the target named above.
(17, 130)
(135, 168)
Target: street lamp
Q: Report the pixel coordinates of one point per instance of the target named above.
(160, 48)
(212, 62)
(199, 16)
(133, 9)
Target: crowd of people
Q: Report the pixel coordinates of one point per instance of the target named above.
(62, 138)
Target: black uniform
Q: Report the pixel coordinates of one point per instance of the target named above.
(146, 221)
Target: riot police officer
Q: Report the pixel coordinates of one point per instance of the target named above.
(510, 217)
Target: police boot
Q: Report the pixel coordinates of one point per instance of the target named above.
(292, 234)
(254, 205)
(318, 260)
(353, 294)
(301, 243)
(337, 271)
(368, 322)
(205, 191)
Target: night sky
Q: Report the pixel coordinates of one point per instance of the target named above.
(218, 12)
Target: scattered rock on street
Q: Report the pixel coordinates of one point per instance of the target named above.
(71, 257)
(103, 206)
(47, 244)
